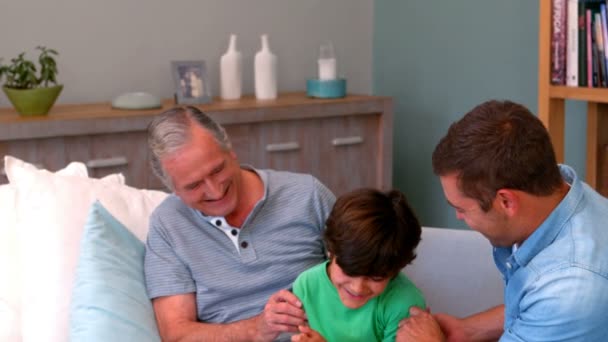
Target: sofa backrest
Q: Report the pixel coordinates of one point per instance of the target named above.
(456, 272)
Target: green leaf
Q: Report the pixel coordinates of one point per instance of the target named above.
(21, 73)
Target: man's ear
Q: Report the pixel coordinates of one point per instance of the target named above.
(508, 200)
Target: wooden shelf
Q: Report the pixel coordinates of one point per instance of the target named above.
(94, 118)
(599, 95)
(551, 108)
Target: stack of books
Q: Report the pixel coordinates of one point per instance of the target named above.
(579, 43)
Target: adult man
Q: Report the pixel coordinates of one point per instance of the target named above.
(225, 247)
(498, 170)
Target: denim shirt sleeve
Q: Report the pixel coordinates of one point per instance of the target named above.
(565, 304)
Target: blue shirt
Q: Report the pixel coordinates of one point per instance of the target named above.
(556, 282)
(280, 238)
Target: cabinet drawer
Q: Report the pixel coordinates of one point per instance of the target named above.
(280, 145)
(48, 153)
(103, 154)
(349, 152)
(343, 152)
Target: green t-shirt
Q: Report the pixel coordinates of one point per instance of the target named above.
(377, 320)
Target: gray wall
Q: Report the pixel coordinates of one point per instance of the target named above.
(441, 58)
(113, 46)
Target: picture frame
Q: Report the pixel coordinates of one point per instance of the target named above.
(191, 82)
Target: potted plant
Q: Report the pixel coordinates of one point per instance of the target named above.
(31, 92)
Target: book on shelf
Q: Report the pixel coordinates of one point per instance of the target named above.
(601, 60)
(589, 33)
(596, 66)
(579, 43)
(572, 44)
(582, 45)
(558, 42)
(604, 28)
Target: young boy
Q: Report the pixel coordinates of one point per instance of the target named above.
(359, 294)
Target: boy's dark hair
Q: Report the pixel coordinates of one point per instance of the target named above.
(372, 233)
(498, 145)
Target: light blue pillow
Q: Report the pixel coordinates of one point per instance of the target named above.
(109, 300)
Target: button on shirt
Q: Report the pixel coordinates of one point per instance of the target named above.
(556, 282)
(220, 223)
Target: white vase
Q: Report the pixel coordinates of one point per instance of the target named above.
(231, 70)
(265, 70)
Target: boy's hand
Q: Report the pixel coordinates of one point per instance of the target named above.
(307, 335)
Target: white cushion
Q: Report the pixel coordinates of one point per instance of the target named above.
(51, 214)
(10, 295)
(10, 268)
(455, 271)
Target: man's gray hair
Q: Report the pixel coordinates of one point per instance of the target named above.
(170, 131)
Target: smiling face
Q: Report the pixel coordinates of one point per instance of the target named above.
(354, 292)
(206, 177)
(493, 224)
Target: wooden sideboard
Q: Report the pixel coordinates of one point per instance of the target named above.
(346, 143)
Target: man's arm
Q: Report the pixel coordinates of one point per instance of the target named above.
(177, 320)
(422, 326)
(484, 326)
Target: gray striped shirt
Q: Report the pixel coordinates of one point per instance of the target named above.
(281, 238)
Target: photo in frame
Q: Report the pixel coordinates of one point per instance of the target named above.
(191, 82)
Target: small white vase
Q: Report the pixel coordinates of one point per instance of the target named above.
(265, 70)
(231, 70)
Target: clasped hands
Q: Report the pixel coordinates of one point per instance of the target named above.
(284, 313)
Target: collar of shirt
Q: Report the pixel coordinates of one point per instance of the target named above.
(544, 235)
(220, 222)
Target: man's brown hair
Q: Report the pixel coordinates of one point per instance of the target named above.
(372, 233)
(498, 145)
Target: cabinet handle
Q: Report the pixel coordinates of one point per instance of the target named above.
(107, 162)
(283, 147)
(347, 141)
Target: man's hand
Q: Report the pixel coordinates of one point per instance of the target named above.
(454, 328)
(283, 312)
(307, 335)
(420, 327)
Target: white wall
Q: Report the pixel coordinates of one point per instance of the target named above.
(108, 47)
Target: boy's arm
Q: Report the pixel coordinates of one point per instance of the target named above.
(398, 302)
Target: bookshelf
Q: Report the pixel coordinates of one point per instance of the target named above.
(551, 109)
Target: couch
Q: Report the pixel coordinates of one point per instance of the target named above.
(71, 251)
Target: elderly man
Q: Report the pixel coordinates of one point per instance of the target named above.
(224, 249)
(498, 170)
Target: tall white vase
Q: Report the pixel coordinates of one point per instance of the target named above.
(265, 70)
(231, 72)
